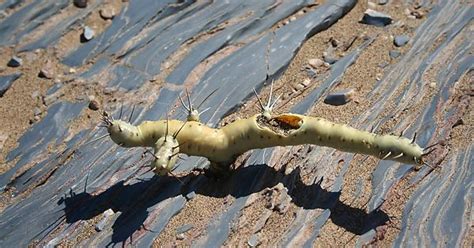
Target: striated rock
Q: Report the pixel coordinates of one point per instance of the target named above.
(7, 81)
(52, 98)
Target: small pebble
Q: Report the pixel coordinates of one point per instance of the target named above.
(180, 236)
(94, 105)
(299, 87)
(371, 5)
(35, 95)
(417, 14)
(394, 54)
(190, 195)
(329, 58)
(107, 12)
(312, 73)
(383, 64)
(37, 111)
(88, 33)
(401, 40)
(378, 76)
(339, 98)
(30, 57)
(382, 2)
(334, 42)
(407, 11)
(378, 19)
(80, 3)
(72, 70)
(306, 82)
(315, 63)
(47, 71)
(103, 222)
(15, 62)
(253, 241)
(3, 139)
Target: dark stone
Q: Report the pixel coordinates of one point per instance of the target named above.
(15, 62)
(80, 3)
(372, 17)
(94, 105)
(339, 98)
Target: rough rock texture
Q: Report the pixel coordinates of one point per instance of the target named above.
(58, 183)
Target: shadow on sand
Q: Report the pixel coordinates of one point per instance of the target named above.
(134, 200)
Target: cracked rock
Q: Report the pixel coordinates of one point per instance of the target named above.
(277, 198)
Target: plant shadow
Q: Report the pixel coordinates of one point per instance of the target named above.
(133, 200)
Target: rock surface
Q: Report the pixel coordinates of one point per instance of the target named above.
(57, 183)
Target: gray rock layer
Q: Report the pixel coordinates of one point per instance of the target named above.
(71, 186)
